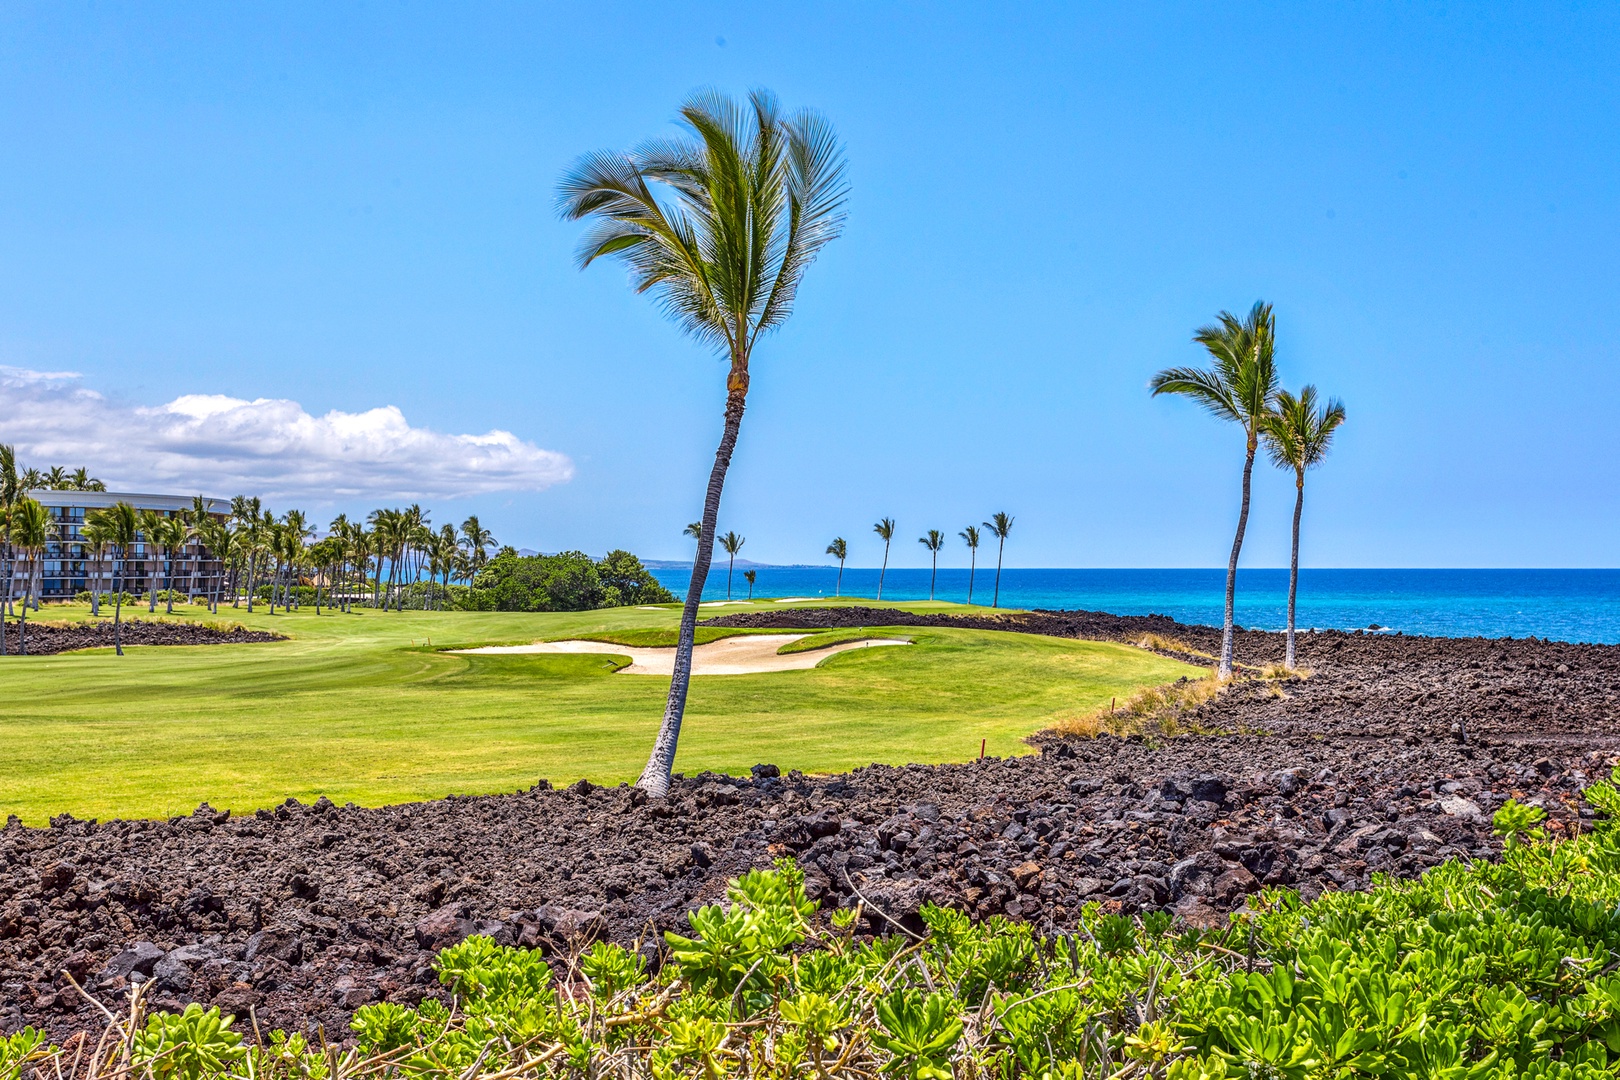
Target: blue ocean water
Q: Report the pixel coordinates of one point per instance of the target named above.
(1566, 605)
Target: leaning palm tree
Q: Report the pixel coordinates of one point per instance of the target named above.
(933, 540)
(970, 536)
(749, 576)
(839, 550)
(1240, 387)
(999, 525)
(733, 544)
(1297, 436)
(748, 198)
(885, 529)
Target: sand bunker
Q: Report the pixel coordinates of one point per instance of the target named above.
(747, 654)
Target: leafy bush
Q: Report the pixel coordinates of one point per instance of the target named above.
(1488, 971)
(568, 581)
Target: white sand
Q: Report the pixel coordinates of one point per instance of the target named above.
(745, 654)
(796, 599)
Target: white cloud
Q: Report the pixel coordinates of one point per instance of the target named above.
(224, 446)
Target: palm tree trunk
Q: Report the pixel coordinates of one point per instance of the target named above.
(885, 571)
(118, 601)
(655, 777)
(22, 623)
(5, 597)
(731, 564)
(838, 590)
(933, 577)
(168, 567)
(1001, 545)
(1225, 669)
(1293, 567)
(973, 569)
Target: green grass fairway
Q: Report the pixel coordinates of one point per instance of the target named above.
(365, 707)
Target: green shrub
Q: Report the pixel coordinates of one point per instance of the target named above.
(1483, 971)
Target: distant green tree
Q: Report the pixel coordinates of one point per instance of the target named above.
(839, 550)
(1297, 436)
(623, 574)
(885, 529)
(933, 540)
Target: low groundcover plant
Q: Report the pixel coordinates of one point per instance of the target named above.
(1488, 971)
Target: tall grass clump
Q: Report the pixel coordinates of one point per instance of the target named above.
(1157, 710)
(1481, 971)
(1163, 643)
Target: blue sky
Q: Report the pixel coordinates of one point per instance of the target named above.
(350, 207)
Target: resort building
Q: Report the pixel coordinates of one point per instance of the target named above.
(69, 568)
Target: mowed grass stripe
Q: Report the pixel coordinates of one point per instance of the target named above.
(361, 708)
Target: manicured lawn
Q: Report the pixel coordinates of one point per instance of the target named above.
(365, 707)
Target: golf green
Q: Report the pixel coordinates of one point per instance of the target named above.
(369, 707)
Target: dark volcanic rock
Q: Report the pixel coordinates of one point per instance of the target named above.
(45, 639)
(304, 913)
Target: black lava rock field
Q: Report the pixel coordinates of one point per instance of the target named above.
(45, 639)
(1390, 758)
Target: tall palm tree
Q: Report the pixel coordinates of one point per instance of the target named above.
(933, 540)
(11, 489)
(839, 550)
(749, 197)
(1298, 435)
(885, 529)
(970, 537)
(733, 544)
(749, 576)
(123, 524)
(999, 525)
(171, 537)
(152, 529)
(94, 536)
(1240, 387)
(57, 479)
(478, 541)
(31, 527)
(33, 480)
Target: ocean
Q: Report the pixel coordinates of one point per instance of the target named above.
(1565, 605)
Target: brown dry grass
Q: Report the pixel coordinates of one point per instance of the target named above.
(1164, 643)
(1157, 710)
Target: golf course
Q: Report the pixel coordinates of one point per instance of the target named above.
(373, 707)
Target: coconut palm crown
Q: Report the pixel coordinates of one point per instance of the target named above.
(1241, 387)
(719, 225)
(1297, 436)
